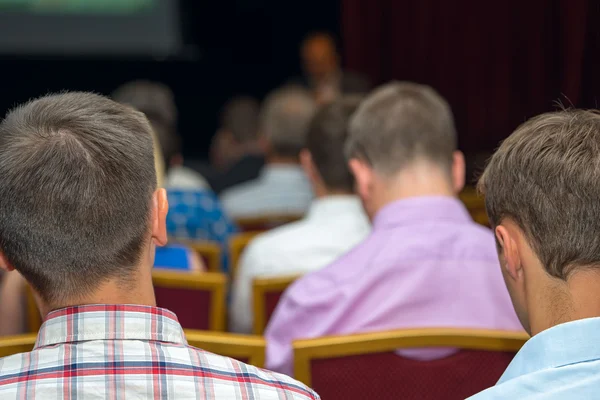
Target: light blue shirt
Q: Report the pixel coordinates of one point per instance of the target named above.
(562, 362)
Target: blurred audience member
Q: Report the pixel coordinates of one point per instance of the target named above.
(157, 102)
(12, 303)
(541, 189)
(195, 212)
(334, 224)
(426, 263)
(81, 215)
(323, 73)
(282, 186)
(237, 151)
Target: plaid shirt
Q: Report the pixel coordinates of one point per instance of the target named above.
(131, 352)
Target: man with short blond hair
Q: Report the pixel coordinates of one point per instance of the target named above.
(426, 263)
(80, 216)
(542, 198)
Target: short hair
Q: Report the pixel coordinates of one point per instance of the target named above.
(157, 102)
(240, 117)
(399, 123)
(285, 116)
(544, 177)
(325, 141)
(77, 178)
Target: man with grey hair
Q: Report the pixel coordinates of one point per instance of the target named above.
(541, 191)
(426, 263)
(282, 187)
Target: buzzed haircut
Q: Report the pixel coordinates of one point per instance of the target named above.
(399, 123)
(76, 183)
(240, 117)
(157, 102)
(285, 116)
(545, 178)
(325, 140)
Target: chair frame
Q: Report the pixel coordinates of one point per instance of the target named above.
(260, 287)
(230, 345)
(10, 345)
(214, 282)
(237, 244)
(209, 250)
(306, 350)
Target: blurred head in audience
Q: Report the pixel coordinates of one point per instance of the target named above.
(402, 143)
(157, 102)
(79, 210)
(319, 55)
(238, 135)
(542, 198)
(284, 120)
(323, 158)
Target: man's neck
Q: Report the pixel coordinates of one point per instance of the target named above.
(281, 160)
(132, 291)
(418, 181)
(568, 301)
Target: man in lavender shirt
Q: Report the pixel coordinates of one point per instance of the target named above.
(426, 263)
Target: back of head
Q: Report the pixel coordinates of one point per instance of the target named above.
(285, 117)
(157, 102)
(325, 140)
(77, 178)
(240, 118)
(400, 123)
(544, 177)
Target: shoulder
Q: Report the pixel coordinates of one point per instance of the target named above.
(265, 384)
(276, 240)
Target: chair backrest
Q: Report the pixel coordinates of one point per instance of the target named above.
(367, 366)
(10, 345)
(197, 299)
(237, 244)
(475, 205)
(264, 223)
(209, 252)
(266, 293)
(248, 349)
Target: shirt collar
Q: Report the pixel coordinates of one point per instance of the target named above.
(110, 322)
(418, 209)
(569, 343)
(325, 207)
(281, 172)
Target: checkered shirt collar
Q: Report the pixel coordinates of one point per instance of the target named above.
(110, 322)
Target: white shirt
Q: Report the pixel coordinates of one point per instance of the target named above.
(280, 189)
(184, 178)
(334, 225)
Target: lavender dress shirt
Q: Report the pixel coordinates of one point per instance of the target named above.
(425, 264)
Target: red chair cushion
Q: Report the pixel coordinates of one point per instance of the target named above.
(192, 306)
(271, 300)
(389, 376)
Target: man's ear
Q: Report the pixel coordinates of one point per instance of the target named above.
(4, 264)
(363, 176)
(510, 252)
(458, 171)
(160, 208)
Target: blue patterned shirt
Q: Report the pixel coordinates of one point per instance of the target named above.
(197, 215)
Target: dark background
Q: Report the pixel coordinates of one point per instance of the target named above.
(233, 46)
(497, 63)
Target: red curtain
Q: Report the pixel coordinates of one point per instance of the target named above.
(498, 63)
